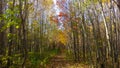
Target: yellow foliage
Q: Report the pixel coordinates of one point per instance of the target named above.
(62, 37)
(103, 1)
(47, 3)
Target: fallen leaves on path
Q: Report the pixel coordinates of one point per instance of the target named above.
(59, 61)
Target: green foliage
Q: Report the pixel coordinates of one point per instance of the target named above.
(41, 59)
(35, 59)
(11, 36)
(82, 5)
(69, 55)
(11, 18)
(3, 59)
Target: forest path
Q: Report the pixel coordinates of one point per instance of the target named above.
(60, 61)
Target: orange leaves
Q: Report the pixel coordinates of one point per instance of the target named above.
(62, 14)
(64, 17)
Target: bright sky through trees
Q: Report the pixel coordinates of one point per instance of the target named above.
(61, 6)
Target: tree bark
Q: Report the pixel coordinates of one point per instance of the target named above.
(2, 43)
(118, 4)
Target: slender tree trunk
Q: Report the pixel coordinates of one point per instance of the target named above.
(23, 15)
(118, 4)
(84, 37)
(106, 31)
(2, 43)
(9, 61)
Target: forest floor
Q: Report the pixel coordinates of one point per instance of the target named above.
(60, 61)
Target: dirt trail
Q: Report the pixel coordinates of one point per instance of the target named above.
(59, 61)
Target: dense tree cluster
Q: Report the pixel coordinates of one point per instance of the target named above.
(30, 34)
